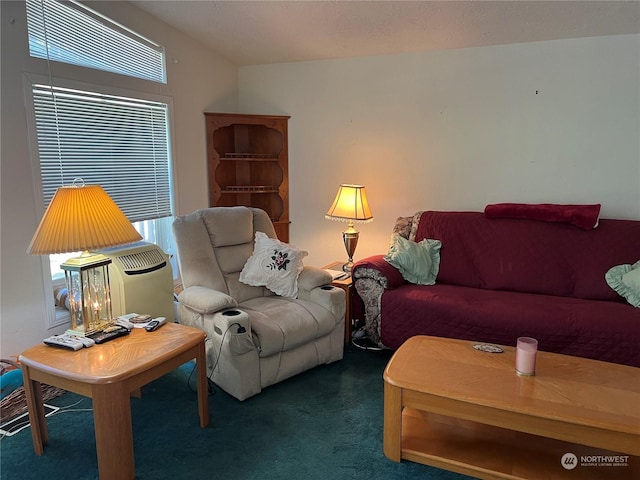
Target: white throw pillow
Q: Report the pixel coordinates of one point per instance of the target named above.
(275, 265)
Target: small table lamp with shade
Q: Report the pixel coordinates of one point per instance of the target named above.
(78, 219)
(350, 205)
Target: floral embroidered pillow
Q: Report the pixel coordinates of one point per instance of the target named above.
(275, 265)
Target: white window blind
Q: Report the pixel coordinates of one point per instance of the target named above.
(72, 33)
(118, 143)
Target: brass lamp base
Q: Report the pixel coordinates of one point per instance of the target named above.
(350, 238)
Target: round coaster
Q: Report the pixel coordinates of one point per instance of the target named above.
(140, 319)
(485, 347)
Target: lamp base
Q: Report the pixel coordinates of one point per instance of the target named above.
(350, 239)
(87, 280)
(94, 329)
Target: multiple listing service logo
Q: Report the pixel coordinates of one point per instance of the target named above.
(569, 461)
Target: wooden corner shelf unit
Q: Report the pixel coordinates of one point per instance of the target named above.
(248, 164)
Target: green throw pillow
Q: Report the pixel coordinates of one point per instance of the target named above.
(625, 279)
(417, 262)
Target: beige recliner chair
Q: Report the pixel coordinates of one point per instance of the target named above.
(254, 337)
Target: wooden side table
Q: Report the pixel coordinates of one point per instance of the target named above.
(347, 285)
(108, 373)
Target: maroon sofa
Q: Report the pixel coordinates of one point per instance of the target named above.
(503, 278)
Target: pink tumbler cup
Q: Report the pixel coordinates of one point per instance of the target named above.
(526, 350)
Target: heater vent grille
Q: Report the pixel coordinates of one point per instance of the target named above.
(141, 260)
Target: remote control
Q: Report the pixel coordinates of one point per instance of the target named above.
(155, 324)
(64, 341)
(123, 322)
(86, 341)
(110, 333)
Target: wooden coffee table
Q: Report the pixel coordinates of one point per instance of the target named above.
(109, 373)
(451, 406)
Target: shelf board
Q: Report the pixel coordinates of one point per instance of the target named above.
(249, 157)
(250, 189)
(495, 453)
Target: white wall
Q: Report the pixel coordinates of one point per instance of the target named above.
(199, 81)
(442, 130)
(555, 122)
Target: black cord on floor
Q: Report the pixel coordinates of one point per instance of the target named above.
(210, 385)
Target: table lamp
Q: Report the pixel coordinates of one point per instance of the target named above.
(350, 205)
(78, 219)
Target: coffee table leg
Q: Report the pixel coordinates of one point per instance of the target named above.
(35, 406)
(114, 436)
(203, 391)
(392, 422)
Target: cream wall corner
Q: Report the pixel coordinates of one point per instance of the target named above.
(554, 121)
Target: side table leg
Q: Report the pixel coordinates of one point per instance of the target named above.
(348, 321)
(35, 406)
(203, 390)
(114, 435)
(392, 437)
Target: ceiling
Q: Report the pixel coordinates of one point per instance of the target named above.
(262, 32)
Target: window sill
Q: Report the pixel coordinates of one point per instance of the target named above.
(62, 317)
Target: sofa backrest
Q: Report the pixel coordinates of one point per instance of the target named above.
(528, 255)
(215, 243)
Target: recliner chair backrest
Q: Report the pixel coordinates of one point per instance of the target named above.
(214, 245)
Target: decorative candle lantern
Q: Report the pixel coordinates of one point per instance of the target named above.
(87, 278)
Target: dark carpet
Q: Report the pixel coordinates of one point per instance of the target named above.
(322, 424)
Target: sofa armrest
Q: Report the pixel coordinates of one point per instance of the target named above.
(205, 300)
(378, 269)
(371, 277)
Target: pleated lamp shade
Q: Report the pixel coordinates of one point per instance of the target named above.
(81, 218)
(350, 205)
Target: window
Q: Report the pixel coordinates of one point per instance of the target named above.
(118, 141)
(72, 33)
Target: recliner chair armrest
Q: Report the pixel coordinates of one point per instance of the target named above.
(233, 325)
(314, 284)
(312, 277)
(205, 300)
(330, 297)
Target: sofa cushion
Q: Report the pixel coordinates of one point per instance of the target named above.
(607, 331)
(418, 262)
(275, 265)
(625, 279)
(530, 256)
